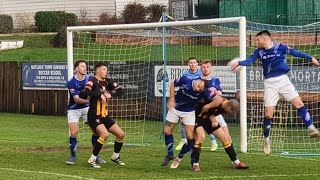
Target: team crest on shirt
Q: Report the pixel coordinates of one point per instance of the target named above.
(98, 120)
(72, 90)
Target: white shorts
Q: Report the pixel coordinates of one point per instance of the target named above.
(75, 114)
(186, 118)
(278, 86)
(221, 121)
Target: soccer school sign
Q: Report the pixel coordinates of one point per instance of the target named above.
(47, 76)
(227, 78)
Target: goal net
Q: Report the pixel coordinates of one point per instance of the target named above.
(135, 55)
(288, 132)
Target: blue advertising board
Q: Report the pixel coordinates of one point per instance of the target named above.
(46, 76)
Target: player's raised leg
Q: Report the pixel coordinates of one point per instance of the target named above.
(305, 116)
(290, 94)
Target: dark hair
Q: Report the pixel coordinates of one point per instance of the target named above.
(99, 65)
(76, 64)
(205, 61)
(264, 32)
(191, 58)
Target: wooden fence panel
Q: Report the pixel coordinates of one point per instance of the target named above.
(9, 87)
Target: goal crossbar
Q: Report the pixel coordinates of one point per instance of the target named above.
(156, 25)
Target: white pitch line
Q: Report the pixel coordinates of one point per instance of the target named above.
(252, 176)
(46, 173)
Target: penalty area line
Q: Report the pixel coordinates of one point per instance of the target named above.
(46, 173)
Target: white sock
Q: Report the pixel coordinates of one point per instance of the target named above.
(115, 155)
(196, 164)
(311, 127)
(184, 140)
(213, 142)
(236, 162)
(93, 157)
(267, 139)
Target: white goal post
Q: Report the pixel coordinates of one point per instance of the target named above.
(241, 21)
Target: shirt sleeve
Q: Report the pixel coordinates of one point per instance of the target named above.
(251, 59)
(293, 52)
(179, 81)
(92, 89)
(114, 88)
(218, 87)
(209, 95)
(73, 89)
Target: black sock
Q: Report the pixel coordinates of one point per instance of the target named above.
(117, 146)
(230, 151)
(97, 147)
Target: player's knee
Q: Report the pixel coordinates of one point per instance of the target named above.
(104, 136)
(167, 131)
(200, 138)
(73, 133)
(121, 136)
(268, 114)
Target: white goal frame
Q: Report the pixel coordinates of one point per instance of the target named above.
(242, 55)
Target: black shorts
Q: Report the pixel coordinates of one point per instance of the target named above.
(206, 124)
(95, 121)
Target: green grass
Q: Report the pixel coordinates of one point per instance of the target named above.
(36, 147)
(38, 49)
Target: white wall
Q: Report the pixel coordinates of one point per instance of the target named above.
(22, 11)
(121, 3)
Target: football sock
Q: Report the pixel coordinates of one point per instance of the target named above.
(266, 127)
(97, 147)
(117, 146)
(305, 116)
(94, 139)
(196, 152)
(183, 134)
(73, 146)
(228, 147)
(212, 138)
(169, 144)
(186, 148)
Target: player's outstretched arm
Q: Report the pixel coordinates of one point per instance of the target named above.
(296, 53)
(246, 62)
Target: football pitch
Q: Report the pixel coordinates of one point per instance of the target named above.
(36, 147)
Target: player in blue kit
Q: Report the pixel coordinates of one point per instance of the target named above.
(276, 82)
(194, 73)
(78, 108)
(182, 107)
(211, 124)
